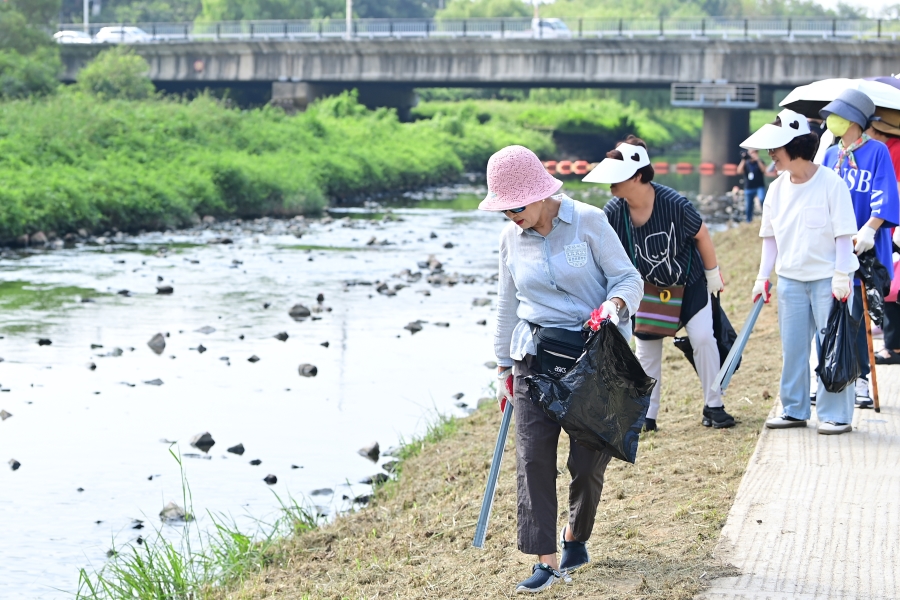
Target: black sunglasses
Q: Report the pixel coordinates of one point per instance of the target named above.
(515, 211)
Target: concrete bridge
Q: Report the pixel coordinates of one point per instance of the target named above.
(386, 71)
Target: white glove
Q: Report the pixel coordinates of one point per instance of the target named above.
(840, 286)
(607, 311)
(504, 387)
(714, 281)
(865, 240)
(759, 288)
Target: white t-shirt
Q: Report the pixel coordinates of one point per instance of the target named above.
(805, 218)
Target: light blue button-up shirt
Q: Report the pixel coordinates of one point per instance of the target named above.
(558, 280)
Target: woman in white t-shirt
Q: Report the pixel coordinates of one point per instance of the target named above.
(807, 229)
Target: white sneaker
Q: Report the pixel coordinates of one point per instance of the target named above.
(832, 428)
(862, 393)
(783, 422)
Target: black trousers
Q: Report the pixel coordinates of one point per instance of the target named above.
(891, 326)
(537, 438)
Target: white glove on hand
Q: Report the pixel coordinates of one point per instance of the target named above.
(840, 286)
(759, 288)
(504, 387)
(865, 240)
(714, 281)
(607, 311)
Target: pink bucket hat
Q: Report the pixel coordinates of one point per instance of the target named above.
(515, 178)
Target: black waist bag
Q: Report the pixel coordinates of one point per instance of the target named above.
(556, 349)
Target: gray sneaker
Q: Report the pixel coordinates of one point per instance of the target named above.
(542, 577)
(784, 422)
(832, 428)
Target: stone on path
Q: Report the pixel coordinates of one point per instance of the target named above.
(322, 492)
(239, 449)
(372, 451)
(156, 381)
(457, 396)
(481, 302)
(4, 415)
(255, 462)
(308, 370)
(157, 343)
(44, 342)
(14, 464)
(481, 322)
(413, 327)
(281, 336)
(253, 359)
(270, 479)
(298, 312)
(92, 366)
(206, 330)
(324, 344)
(203, 441)
(171, 512)
(164, 290)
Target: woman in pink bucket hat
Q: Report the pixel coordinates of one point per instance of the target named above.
(559, 261)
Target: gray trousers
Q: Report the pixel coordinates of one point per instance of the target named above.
(537, 438)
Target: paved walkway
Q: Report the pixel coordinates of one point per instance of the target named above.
(819, 516)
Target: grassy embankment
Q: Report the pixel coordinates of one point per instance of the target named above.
(72, 161)
(658, 523)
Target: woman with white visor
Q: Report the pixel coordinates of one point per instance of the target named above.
(669, 244)
(807, 228)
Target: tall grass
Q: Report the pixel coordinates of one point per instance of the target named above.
(70, 161)
(197, 561)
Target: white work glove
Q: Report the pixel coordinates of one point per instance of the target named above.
(840, 286)
(714, 281)
(504, 387)
(759, 288)
(865, 240)
(607, 311)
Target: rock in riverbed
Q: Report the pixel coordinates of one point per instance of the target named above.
(253, 359)
(206, 329)
(239, 449)
(270, 479)
(156, 382)
(322, 492)
(164, 290)
(299, 312)
(308, 370)
(4, 415)
(157, 343)
(281, 336)
(376, 479)
(203, 441)
(171, 512)
(372, 451)
(255, 462)
(413, 327)
(44, 342)
(14, 464)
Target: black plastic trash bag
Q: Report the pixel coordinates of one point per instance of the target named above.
(838, 355)
(722, 330)
(603, 400)
(877, 280)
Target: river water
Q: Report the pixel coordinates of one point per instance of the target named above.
(94, 444)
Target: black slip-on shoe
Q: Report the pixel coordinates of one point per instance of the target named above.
(542, 577)
(717, 418)
(650, 425)
(574, 554)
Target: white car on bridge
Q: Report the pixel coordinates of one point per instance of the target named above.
(550, 29)
(72, 37)
(122, 35)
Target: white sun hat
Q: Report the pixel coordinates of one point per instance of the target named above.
(613, 170)
(769, 136)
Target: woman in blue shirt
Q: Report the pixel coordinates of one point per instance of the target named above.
(865, 166)
(559, 260)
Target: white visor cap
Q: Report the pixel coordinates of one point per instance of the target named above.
(613, 170)
(769, 136)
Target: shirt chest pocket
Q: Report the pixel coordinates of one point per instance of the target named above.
(815, 217)
(576, 254)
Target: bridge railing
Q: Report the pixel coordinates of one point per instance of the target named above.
(715, 28)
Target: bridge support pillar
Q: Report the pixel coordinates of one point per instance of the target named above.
(294, 96)
(723, 130)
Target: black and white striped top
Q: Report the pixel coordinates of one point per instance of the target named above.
(662, 245)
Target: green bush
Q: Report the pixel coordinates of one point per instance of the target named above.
(22, 75)
(70, 161)
(117, 73)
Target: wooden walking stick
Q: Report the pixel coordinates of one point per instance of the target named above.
(868, 323)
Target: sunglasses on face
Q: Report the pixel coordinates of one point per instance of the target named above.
(515, 211)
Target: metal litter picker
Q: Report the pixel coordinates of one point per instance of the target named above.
(731, 361)
(488, 502)
(868, 324)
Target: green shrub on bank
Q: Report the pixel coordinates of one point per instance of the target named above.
(117, 73)
(660, 128)
(70, 161)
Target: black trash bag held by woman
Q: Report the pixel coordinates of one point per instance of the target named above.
(603, 400)
(877, 280)
(723, 332)
(838, 355)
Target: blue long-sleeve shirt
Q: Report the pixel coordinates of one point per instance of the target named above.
(558, 280)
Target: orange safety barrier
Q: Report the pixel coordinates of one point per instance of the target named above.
(684, 168)
(564, 167)
(580, 167)
(550, 165)
(661, 168)
(707, 168)
(729, 169)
